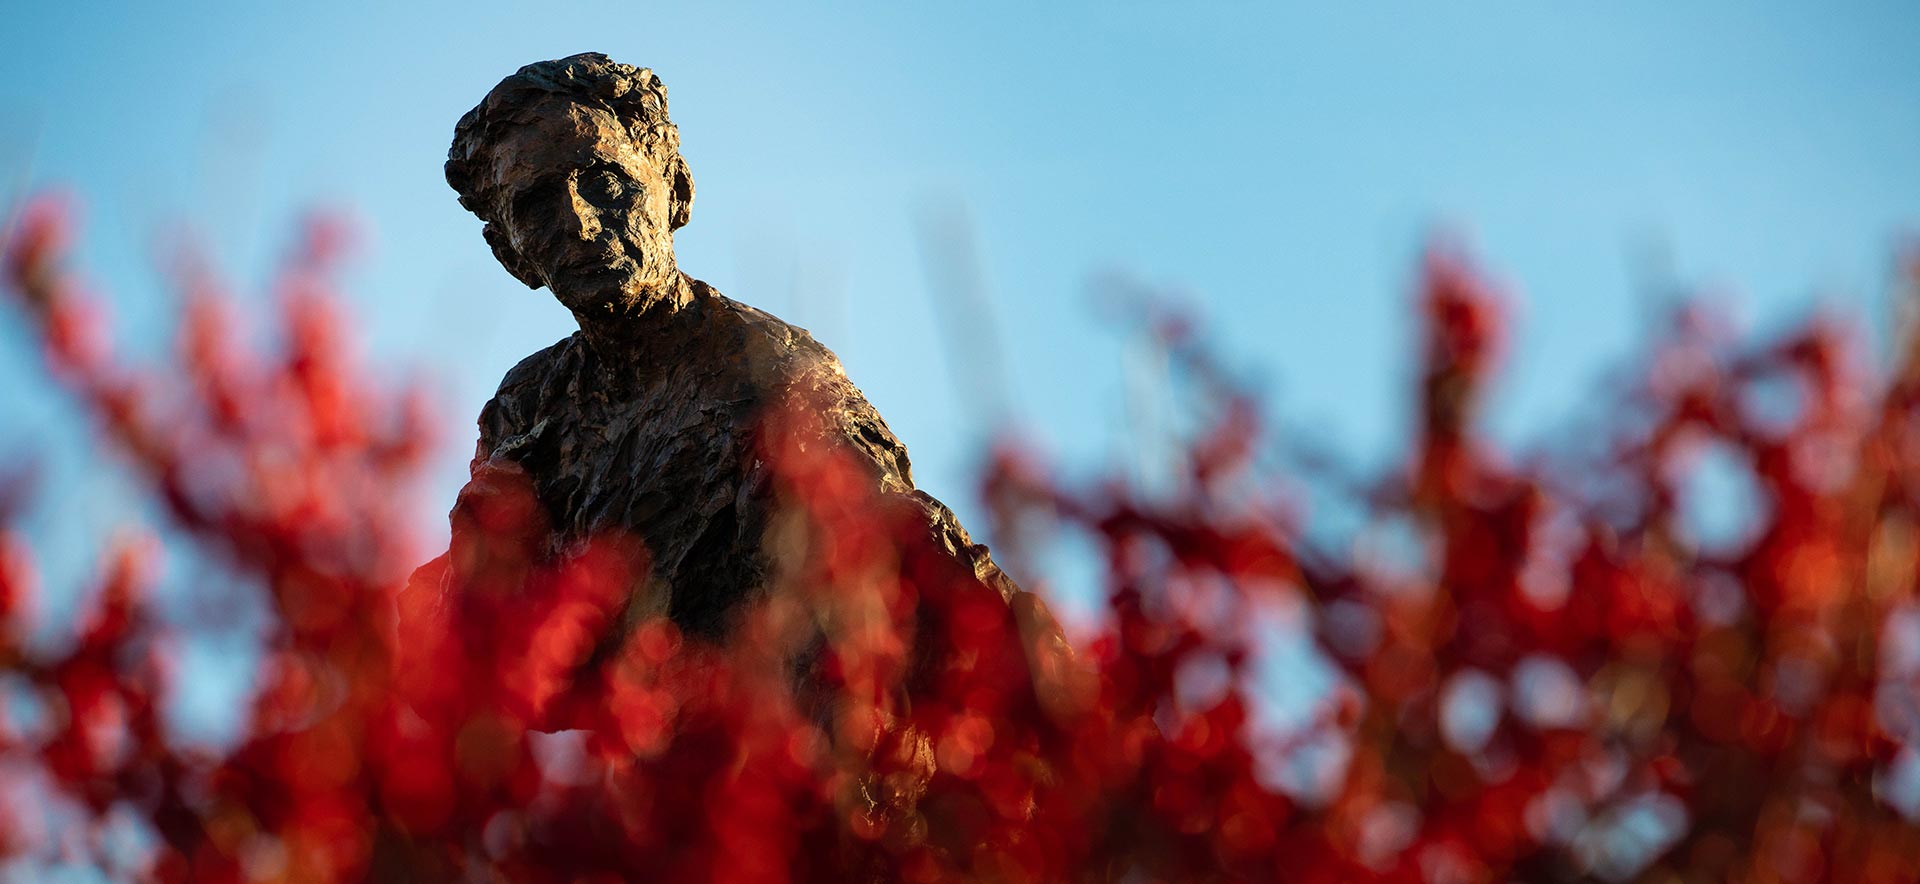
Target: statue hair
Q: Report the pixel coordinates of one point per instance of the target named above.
(634, 96)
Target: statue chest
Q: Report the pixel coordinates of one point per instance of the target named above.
(666, 451)
(648, 463)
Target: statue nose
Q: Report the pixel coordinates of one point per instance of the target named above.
(586, 219)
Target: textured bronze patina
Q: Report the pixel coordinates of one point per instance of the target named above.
(649, 420)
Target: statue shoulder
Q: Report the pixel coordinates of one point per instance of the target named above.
(537, 369)
(785, 361)
(528, 383)
(778, 353)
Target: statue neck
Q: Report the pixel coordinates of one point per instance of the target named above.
(651, 318)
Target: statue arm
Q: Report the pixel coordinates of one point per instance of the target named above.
(866, 434)
(1061, 684)
(945, 531)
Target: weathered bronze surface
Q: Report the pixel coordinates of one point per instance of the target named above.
(649, 420)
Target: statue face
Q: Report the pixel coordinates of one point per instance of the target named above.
(582, 210)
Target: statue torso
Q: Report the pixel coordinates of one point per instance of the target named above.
(661, 438)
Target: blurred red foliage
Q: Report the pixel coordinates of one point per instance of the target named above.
(1539, 672)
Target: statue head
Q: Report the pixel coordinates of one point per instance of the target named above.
(576, 170)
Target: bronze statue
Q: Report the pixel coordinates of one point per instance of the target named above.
(648, 420)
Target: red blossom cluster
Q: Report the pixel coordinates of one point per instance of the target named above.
(1539, 672)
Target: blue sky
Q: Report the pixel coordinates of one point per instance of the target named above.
(1276, 168)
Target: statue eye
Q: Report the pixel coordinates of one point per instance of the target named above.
(529, 203)
(606, 185)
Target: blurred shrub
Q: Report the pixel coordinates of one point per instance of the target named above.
(1541, 672)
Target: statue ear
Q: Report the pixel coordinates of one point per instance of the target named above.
(682, 205)
(503, 252)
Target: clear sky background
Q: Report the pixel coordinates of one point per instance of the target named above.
(1278, 168)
